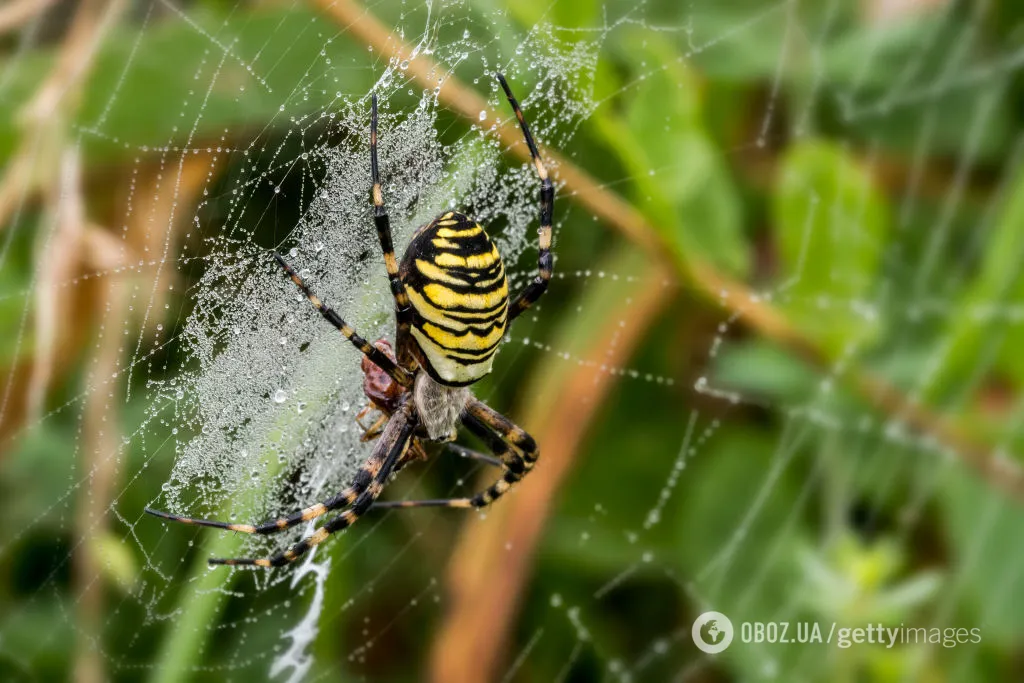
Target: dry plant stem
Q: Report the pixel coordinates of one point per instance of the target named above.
(46, 162)
(57, 262)
(62, 87)
(883, 12)
(100, 441)
(160, 214)
(45, 119)
(1000, 473)
(493, 558)
(160, 218)
(15, 14)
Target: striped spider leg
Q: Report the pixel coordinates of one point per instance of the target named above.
(377, 357)
(516, 450)
(539, 285)
(403, 311)
(361, 493)
(369, 481)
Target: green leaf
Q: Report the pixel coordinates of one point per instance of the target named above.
(576, 14)
(986, 532)
(975, 329)
(831, 227)
(764, 370)
(271, 69)
(894, 42)
(117, 561)
(680, 179)
(738, 536)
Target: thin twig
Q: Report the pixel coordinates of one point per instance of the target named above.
(45, 119)
(17, 13)
(57, 261)
(38, 167)
(100, 422)
(1001, 474)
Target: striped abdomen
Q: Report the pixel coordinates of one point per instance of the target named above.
(456, 284)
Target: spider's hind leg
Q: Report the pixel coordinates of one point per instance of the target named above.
(277, 524)
(359, 484)
(516, 450)
(387, 454)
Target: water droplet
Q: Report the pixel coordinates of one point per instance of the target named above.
(280, 396)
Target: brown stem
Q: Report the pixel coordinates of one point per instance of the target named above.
(18, 12)
(160, 203)
(1000, 473)
(33, 166)
(100, 430)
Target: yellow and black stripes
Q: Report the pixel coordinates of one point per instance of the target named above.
(539, 285)
(387, 453)
(374, 354)
(456, 283)
(383, 223)
(360, 482)
(519, 459)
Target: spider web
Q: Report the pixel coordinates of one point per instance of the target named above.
(747, 481)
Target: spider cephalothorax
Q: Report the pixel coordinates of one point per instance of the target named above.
(452, 309)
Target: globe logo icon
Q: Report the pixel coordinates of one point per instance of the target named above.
(712, 632)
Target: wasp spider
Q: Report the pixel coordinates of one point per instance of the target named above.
(452, 308)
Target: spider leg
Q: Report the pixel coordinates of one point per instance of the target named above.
(373, 353)
(460, 451)
(539, 285)
(387, 453)
(363, 412)
(469, 454)
(373, 431)
(360, 482)
(516, 450)
(403, 311)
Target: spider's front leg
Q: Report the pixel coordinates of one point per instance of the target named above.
(374, 354)
(403, 311)
(545, 262)
(516, 450)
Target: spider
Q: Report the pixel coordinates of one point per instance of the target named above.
(452, 309)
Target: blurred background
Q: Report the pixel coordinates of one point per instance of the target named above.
(777, 374)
